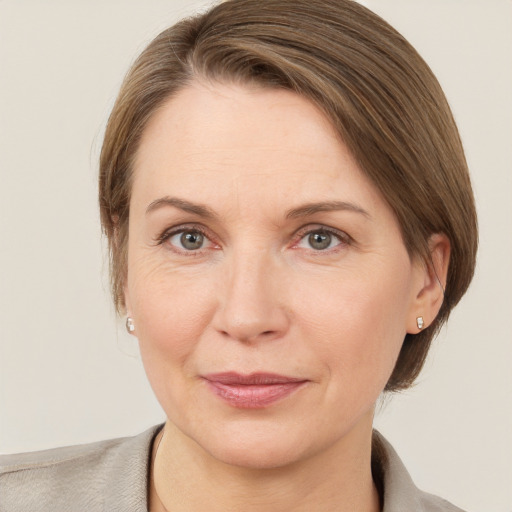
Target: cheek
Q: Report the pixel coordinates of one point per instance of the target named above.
(171, 311)
(358, 322)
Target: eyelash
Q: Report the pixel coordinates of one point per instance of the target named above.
(343, 238)
(192, 228)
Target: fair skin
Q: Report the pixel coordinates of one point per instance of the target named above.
(256, 244)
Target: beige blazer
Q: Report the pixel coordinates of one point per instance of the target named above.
(112, 476)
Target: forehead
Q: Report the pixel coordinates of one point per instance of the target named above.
(228, 142)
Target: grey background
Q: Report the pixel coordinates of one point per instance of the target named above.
(70, 374)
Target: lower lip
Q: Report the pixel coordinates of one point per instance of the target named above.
(253, 396)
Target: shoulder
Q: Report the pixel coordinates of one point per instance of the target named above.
(90, 475)
(400, 494)
(431, 503)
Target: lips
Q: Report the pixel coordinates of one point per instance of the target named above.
(253, 391)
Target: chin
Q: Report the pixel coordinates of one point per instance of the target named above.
(255, 445)
(257, 455)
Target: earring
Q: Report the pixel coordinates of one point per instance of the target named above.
(130, 325)
(420, 322)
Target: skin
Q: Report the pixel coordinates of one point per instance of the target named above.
(258, 297)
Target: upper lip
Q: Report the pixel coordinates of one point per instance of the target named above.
(252, 379)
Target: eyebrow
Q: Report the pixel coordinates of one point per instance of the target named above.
(326, 206)
(301, 211)
(181, 204)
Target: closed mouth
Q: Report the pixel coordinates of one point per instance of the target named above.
(252, 379)
(252, 391)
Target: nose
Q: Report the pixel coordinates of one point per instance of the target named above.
(251, 299)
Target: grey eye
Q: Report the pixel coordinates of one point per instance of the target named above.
(192, 240)
(319, 240)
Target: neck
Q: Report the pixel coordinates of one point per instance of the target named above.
(186, 479)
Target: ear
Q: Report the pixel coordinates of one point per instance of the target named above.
(126, 299)
(130, 324)
(116, 248)
(430, 284)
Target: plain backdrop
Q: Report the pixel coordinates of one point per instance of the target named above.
(68, 371)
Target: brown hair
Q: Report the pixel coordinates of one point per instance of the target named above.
(379, 94)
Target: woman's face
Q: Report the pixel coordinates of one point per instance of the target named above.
(267, 278)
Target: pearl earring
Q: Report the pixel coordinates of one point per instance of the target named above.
(130, 325)
(420, 322)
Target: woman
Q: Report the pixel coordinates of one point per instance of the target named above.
(290, 221)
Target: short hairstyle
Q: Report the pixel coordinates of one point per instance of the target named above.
(380, 96)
